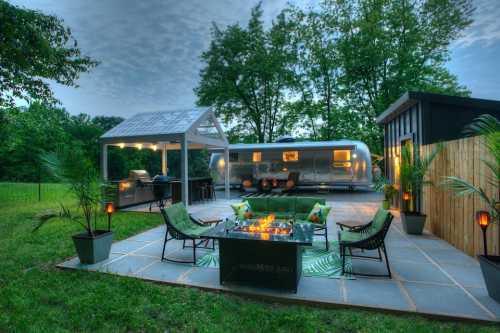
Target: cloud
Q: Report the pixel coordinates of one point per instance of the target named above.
(149, 50)
(485, 30)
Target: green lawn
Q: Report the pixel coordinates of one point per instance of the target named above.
(35, 296)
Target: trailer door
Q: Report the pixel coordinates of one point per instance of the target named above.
(342, 165)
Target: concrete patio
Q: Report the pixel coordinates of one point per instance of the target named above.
(430, 276)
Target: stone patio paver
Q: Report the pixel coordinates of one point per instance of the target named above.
(430, 275)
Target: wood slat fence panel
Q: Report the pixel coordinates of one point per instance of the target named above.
(452, 218)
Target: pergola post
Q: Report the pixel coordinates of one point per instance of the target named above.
(104, 161)
(164, 159)
(226, 173)
(184, 170)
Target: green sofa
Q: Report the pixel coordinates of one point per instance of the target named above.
(290, 207)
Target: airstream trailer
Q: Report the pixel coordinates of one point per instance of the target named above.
(313, 165)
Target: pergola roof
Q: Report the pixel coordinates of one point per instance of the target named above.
(199, 125)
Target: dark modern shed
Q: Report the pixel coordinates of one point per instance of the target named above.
(426, 118)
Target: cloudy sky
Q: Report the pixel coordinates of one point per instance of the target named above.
(149, 50)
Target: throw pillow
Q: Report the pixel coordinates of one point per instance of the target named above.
(319, 213)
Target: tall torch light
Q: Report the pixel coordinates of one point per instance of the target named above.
(110, 209)
(406, 200)
(483, 218)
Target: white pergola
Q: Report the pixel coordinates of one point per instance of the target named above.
(169, 130)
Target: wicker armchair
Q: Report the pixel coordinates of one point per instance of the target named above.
(182, 226)
(367, 237)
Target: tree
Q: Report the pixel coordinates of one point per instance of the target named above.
(247, 74)
(390, 47)
(26, 132)
(356, 57)
(34, 47)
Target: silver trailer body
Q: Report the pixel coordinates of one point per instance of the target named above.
(319, 164)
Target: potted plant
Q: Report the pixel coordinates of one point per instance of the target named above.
(71, 166)
(389, 192)
(489, 127)
(412, 179)
(382, 184)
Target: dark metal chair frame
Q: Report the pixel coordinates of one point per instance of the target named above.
(322, 230)
(375, 241)
(179, 235)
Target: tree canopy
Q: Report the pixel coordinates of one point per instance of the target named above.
(34, 48)
(333, 69)
(247, 74)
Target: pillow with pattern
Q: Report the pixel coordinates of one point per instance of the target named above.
(319, 213)
(242, 210)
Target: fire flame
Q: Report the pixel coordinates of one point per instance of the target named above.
(264, 226)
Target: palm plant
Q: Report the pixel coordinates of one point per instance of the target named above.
(412, 173)
(489, 127)
(71, 166)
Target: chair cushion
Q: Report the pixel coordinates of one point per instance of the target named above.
(281, 205)
(305, 204)
(379, 220)
(258, 204)
(178, 217)
(242, 210)
(349, 236)
(319, 213)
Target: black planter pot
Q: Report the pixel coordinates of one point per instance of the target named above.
(413, 223)
(92, 249)
(490, 266)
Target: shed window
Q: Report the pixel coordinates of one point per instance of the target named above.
(256, 156)
(290, 156)
(233, 157)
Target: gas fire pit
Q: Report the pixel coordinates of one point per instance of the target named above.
(263, 252)
(265, 225)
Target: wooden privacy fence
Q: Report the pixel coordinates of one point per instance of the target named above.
(448, 216)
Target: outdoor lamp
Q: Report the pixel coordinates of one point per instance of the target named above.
(483, 218)
(121, 145)
(406, 196)
(110, 209)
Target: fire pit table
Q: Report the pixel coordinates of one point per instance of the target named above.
(261, 252)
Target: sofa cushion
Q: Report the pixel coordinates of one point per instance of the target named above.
(258, 204)
(301, 216)
(284, 215)
(306, 204)
(281, 204)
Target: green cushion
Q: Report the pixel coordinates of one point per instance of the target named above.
(284, 215)
(179, 218)
(301, 216)
(379, 220)
(260, 214)
(306, 204)
(258, 204)
(349, 236)
(281, 204)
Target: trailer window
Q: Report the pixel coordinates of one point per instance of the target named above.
(256, 156)
(290, 156)
(342, 158)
